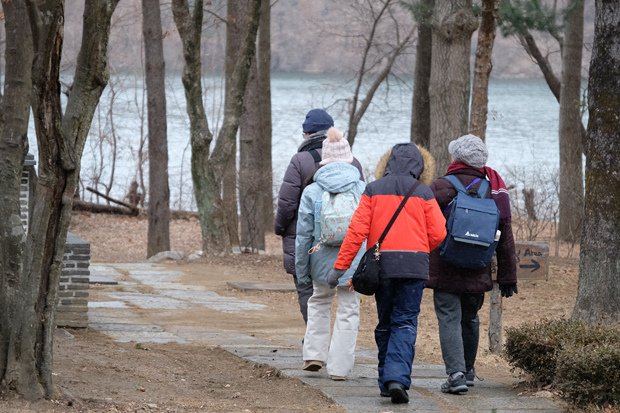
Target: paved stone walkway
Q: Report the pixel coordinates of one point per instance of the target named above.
(115, 309)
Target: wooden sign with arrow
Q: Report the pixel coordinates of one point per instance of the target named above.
(532, 260)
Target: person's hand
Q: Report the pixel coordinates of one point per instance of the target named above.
(333, 277)
(508, 289)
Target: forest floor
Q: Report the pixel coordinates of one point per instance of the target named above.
(97, 374)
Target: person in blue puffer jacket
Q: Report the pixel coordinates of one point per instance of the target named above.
(313, 265)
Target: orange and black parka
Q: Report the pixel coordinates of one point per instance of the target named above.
(419, 228)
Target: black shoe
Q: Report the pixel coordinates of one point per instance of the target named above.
(385, 393)
(397, 392)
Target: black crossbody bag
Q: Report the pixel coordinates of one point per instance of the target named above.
(366, 278)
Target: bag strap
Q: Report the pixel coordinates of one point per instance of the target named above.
(315, 155)
(458, 185)
(393, 219)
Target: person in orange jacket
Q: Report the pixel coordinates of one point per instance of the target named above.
(419, 228)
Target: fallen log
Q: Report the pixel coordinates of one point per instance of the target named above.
(79, 205)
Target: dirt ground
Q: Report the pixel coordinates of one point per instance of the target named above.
(95, 374)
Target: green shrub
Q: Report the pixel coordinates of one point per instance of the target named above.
(582, 362)
(590, 374)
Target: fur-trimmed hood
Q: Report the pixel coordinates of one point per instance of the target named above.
(427, 174)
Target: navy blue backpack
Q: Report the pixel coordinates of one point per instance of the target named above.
(472, 226)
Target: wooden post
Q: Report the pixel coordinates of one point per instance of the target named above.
(495, 320)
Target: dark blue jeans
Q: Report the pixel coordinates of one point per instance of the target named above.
(398, 307)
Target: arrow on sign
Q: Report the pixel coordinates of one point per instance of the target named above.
(534, 266)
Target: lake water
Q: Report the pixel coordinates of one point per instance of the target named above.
(522, 127)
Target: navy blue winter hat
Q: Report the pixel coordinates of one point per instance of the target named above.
(317, 120)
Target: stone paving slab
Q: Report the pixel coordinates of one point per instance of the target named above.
(257, 286)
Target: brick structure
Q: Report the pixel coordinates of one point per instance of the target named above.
(72, 307)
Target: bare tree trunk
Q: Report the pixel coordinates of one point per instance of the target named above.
(234, 36)
(14, 113)
(265, 124)
(482, 69)
(598, 295)
(190, 30)
(60, 141)
(159, 191)
(208, 168)
(571, 175)
(421, 111)
(250, 199)
(453, 25)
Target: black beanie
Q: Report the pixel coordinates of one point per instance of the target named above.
(317, 120)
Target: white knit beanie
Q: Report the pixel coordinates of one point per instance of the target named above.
(335, 148)
(470, 150)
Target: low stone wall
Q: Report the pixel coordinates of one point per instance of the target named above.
(72, 309)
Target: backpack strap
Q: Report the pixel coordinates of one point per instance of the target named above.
(400, 207)
(315, 155)
(458, 185)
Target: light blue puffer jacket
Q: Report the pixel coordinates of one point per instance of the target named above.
(334, 177)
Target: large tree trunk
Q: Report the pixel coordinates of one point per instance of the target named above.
(571, 175)
(482, 69)
(60, 142)
(14, 112)
(598, 296)
(421, 111)
(159, 191)
(453, 25)
(265, 124)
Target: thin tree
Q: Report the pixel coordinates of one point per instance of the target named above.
(571, 178)
(420, 108)
(265, 123)
(598, 295)
(375, 68)
(519, 18)
(482, 68)
(30, 267)
(208, 166)
(159, 191)
(453, 25)
(250, 199)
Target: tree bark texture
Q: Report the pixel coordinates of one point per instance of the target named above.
(61, 140)
(265, 123)
(571, 173)
(159, 191)
(598, 295)
(250, 196)
(482, 69)
(420, 110)
(453, 25)
(189, 25)
(14, 112)
(219, 239)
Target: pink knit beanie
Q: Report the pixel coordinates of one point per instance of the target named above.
(335, 148)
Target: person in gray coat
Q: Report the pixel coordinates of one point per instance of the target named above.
(298, 175)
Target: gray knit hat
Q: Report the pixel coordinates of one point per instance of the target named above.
(335, 148)
(470, 150)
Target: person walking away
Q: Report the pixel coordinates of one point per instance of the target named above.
(459, 292)
(418, 229)
(298, 175)
(333, 196)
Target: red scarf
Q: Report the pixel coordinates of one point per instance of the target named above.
(499, 192)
